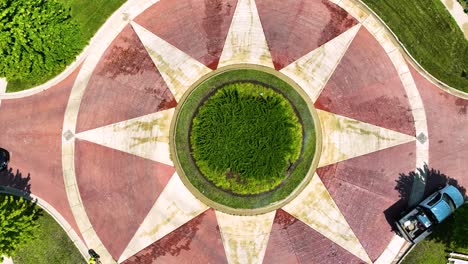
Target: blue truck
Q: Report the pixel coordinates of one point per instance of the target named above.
(418, 223)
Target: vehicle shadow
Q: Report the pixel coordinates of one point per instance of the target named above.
(16, 180)
(435, 180)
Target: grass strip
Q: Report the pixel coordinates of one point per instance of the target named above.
(52, 245)
(431, 36)
(449, 236)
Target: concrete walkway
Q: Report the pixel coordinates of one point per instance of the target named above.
(456, 10)
(96, 144)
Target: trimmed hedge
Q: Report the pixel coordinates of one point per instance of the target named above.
(245, 137)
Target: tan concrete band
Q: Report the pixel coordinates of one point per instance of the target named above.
(108, 32)
(275, 205)
(54, 214)
(398, 54)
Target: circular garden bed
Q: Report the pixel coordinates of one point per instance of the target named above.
(243, 139)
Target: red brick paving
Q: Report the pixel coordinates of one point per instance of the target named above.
(364, 187)
(198, 241)
(197, 27)
(124, 85)
(31, 129)
(366, 87)
(447, 120)
(292, 241)
(117, 190)
(294, 28)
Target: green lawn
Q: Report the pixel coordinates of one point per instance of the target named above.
(431, 35)
(51, 246)
(89, 15)
(450, 236)
(245, 137)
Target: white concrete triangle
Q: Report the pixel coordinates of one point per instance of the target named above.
(174, 207)
(313, 70)
(146, 136)
(177, 68)
(345, 138)
(246, 42)
(316, 208)
(245, 238)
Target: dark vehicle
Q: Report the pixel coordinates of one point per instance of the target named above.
(419, 222)
(4, 158)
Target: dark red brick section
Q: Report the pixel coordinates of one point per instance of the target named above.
(294, 28)
(447, 121)
(292, 241)
(31, 129)
(366, 87)
(198, 241)
(117, 190)
(364, 190)
(124, 85)
(197, 27)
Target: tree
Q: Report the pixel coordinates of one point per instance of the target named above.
(37, 39)
(17, 223)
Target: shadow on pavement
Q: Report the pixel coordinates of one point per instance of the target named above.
(435, 180)
(15, 180)
(172, 244)
(404, 185)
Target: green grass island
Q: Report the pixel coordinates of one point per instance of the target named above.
(244, 139)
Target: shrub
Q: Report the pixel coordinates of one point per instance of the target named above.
(17, 223)
(245, 138)
(37, 39)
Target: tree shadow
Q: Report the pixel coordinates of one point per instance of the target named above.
(436, 180)
(15, 180)
(172, 244)
(452, 232)
(404, 184)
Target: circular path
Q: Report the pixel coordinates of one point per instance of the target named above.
(96, 145)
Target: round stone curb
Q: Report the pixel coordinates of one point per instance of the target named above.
(275, 205)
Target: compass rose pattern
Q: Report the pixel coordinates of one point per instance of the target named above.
(245, 238)
(127, 200)
(164, 51)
